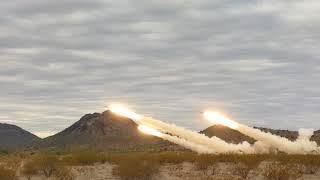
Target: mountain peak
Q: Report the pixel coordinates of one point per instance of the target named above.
(104, 131)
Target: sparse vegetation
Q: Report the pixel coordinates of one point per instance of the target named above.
(85, 158)
(7, 173)
(139, 166)
(281, 171)
(48, 165)
(29, 169)
(144, 165)
(64, 173)
(241, 170)
(3, 152)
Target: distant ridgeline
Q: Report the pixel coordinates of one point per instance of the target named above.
(107, 131)
(13, 137)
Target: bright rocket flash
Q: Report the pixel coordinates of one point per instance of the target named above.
(189, 139)
(218, 118)
(148, 130)
(124, 111)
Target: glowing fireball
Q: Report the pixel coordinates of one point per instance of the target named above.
(149, 130)
(124, 111)
(219, 118)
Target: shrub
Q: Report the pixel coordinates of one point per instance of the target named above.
(242, 170)
(176, 157)
(3, 152)
(49, 165)
(7, 173)
(281, 171)
(276, 171)
(136, 167)
(85, 158)
(29, 169)
(202, 162)
(46, 164)
(64, 173)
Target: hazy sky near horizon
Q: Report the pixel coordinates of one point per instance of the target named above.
(256, 60)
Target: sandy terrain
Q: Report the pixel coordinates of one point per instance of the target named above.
(183, 171)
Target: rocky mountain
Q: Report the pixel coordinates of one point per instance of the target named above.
(12, 137)
(227, 134)
(105, 131)
(234, 136)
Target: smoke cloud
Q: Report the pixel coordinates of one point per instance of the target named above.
(176, 140)
(188, 144)
(215, 143)
(266, 142)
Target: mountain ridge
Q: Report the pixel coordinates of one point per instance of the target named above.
(13, 137)
(108, 131)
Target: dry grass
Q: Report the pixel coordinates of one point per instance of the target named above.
(64, 173)
(241, 170)
(29, 169)
(138, 167)
(9, 164)
(143, 165)
(7, 173)
(48, 165)
(85, 158)
(280, 171)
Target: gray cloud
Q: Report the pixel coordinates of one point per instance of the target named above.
(255, 60)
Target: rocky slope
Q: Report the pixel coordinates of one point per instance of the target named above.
(105, 131)
(12, 137)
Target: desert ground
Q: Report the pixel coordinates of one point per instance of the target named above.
(92, 165)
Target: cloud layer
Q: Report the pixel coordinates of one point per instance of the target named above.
(258, 61)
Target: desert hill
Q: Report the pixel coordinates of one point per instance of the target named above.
(12, 137)
(227, 134)
(105, 131)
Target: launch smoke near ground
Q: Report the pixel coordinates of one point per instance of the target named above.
(302, 145)
(189, 137)
(217, 144)
(176, 140)
(148, 129)
(266, 142)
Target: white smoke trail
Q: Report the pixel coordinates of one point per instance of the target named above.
(189, 145)
(301, 146)
(215, 143)
(176, 140)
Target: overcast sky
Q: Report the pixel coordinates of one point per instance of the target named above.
(257, 61)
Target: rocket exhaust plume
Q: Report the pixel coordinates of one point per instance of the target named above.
(191, 137)
(124, 111)
(148, 130)
(176, 140)
(301, 146)
(215, 143)
(218, 118)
